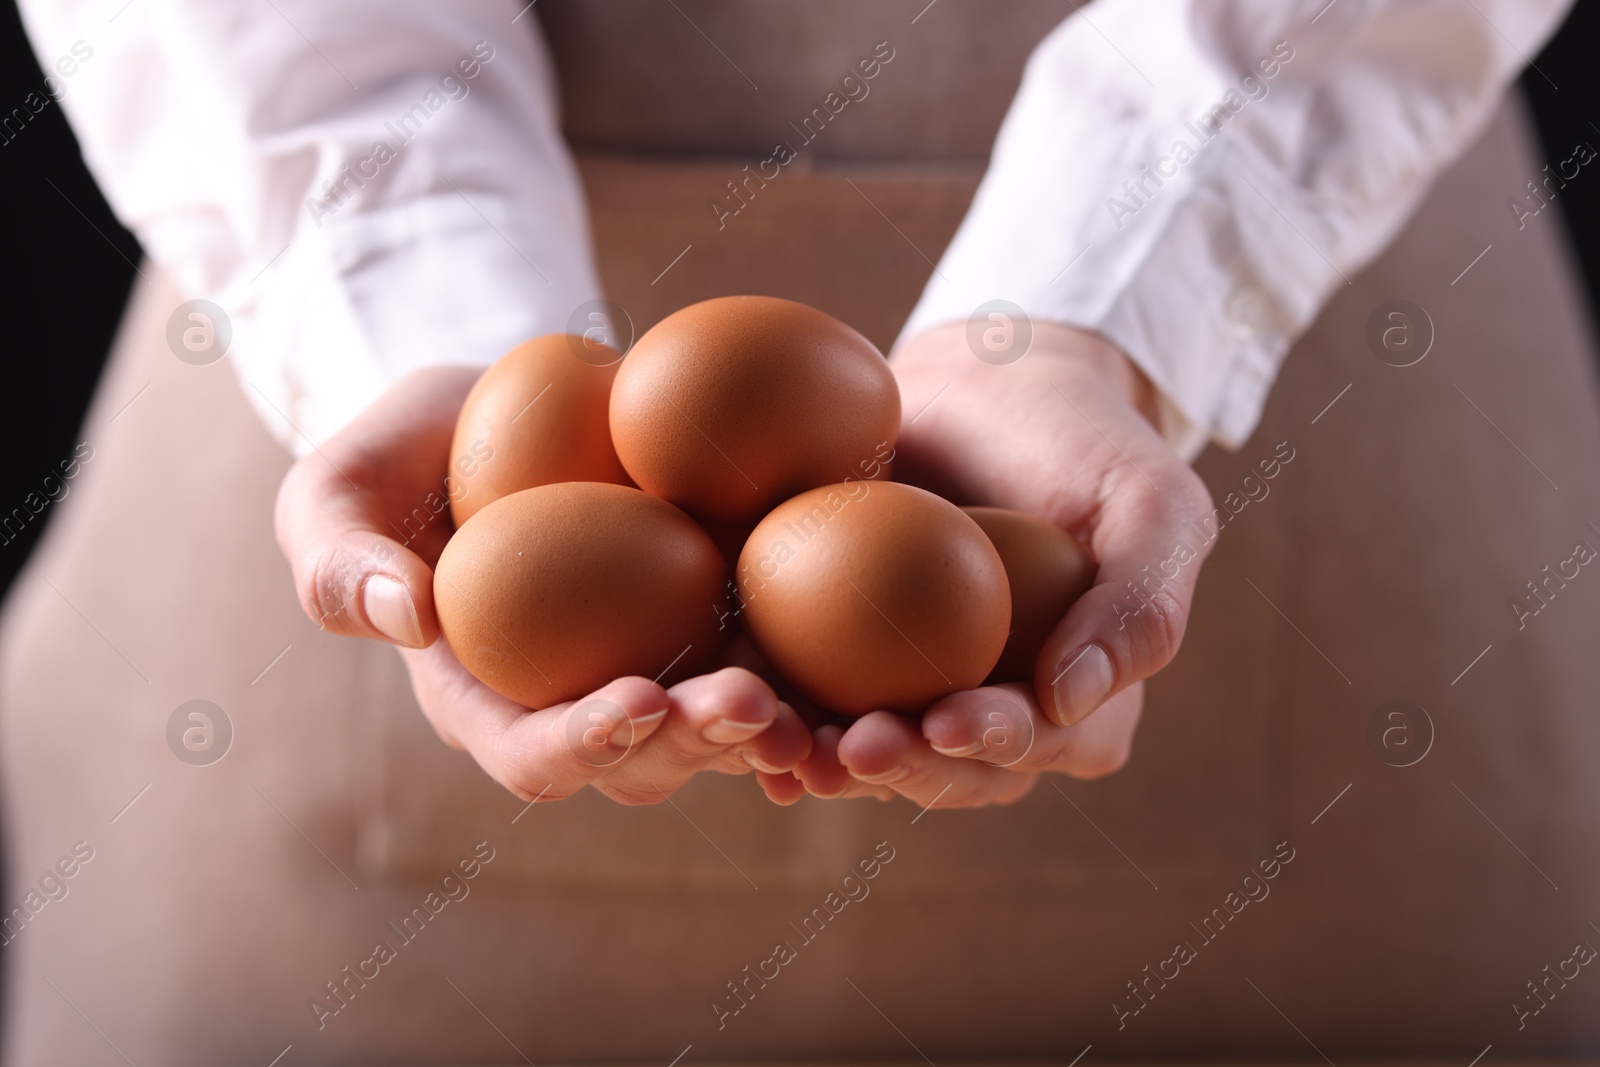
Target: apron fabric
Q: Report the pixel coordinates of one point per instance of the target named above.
(1263, 824)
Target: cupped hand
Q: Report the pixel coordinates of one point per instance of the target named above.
(362, 521)
(1065, 433)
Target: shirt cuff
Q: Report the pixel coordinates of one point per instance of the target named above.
(450, 278)
(1199, 224)
(1202, 280)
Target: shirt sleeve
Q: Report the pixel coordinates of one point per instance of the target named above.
(362, 187)
(1193, 178)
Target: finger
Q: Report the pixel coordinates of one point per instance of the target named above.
(780, 747)
(354, 583)
(1149, 539)
(882, 748)
(824, 776)
(357, 516)
(1103, 742)
(712, 718)
(998, 725)
(783, 789)
(1002, 726)
(548, 754)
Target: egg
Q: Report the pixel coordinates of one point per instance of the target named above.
(549, 593)
(730, 406)
(874, 595)
(1047, 570)
(538, 415)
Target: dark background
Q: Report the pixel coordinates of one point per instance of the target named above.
(69, 264)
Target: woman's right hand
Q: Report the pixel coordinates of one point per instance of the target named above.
(362, 520)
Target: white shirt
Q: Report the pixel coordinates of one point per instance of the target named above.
(1309, 132)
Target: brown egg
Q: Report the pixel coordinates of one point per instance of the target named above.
(1047, 570)
(547, 594)
(874, 595)
(538, 415)
(732, 405)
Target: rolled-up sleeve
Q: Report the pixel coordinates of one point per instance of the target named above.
(364, 188)
(1193, 178)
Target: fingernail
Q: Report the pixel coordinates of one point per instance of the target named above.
(762, 765)
(731, 731)
(389, 608)
(630, 730)
(641, 721)
(1082, 685)
(960, 753)
(888, 777)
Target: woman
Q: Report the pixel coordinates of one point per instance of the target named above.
(340, 886)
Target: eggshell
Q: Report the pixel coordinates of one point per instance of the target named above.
(538, 415)
(1047, 569)
(547, 594)
(730, 406)
(874, 595)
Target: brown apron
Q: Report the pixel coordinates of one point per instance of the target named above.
(1261, 876)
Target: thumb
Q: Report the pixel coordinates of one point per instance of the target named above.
(359, 583)
(351, 578)
(341, 509)
(1150, 540)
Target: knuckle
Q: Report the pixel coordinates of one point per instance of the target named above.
(1157, 631)
(526, 769)
(1190, 497)
(329, 581)
(515, 776)
(524, 782)
(631, 794)
(545, 794)
(1174, 491)
(322, 588)
(1099, 762)
(343, 464)
(1149, 627)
